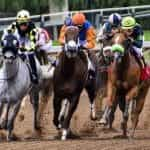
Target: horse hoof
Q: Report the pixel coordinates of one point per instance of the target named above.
(59, 127)
(63, 138)
(121, 137)
(103, 121)
(93, 116)
(64, 135)
(12, 138)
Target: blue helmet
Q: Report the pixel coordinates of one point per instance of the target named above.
(115, 19)
(68, 21)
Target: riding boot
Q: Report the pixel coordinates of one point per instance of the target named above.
(34, 76)
(143, 61)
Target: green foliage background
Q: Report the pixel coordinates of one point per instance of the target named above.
(42, 6)
(11, 7)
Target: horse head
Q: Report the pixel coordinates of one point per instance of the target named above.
(120, 46)
(10, 46)
(71, 47)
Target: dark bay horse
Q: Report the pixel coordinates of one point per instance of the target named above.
(70, 77)
(123, 77)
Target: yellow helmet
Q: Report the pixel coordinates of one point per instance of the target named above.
(128, 22)
(23, 16)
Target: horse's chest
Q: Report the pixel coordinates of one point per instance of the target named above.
(128, 80)
(12, 91)
(68, 87)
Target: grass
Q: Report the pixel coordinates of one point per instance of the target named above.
(55, 43)
(147, 35)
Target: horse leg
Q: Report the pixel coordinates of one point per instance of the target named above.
(22, 109)
(137, 107)
(57, 109)
(34, 98)
(4, 115)
(98, 105)
(112, 113)
(63, 111)
(111, 92)
(13, 111)
(42, 105)
(92, 95)
(72, 107)
(130, 95)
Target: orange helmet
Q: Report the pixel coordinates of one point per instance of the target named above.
(78, 19)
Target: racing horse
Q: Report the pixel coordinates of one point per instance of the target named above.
(70, 78)
(15, 83)
(104, 60)
(123, 77)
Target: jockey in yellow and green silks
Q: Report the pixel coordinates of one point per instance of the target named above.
(28, 36)
(134, 33)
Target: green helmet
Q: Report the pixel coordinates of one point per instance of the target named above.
(128, 22)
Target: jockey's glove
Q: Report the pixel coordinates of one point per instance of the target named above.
(31, 50)
(22, 49)
(82, 47)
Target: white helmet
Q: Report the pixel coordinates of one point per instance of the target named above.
(115, 19)
(23, 16)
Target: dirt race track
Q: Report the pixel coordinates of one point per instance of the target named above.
(91, 137)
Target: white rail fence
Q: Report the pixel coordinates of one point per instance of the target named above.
(96, 16)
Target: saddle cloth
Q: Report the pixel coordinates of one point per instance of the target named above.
(145, 73)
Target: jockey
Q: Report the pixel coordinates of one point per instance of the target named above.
(134, 32)
(87, 33)
(67, 22)
(110, 27)
(42, 41)
(22, 29)
(87, 36)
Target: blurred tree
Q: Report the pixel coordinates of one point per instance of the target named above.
(35, 6)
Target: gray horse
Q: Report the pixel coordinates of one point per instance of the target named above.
(15, 83)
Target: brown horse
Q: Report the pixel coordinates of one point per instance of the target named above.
(104, 60)
(123, 77)
(138, 104)
(70, 77)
